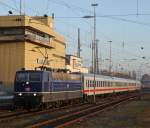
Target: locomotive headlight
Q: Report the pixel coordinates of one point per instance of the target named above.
(27, 82)
(34, 94)
(20, 94)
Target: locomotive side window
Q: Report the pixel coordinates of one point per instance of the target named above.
(21, 76)
(34, 76)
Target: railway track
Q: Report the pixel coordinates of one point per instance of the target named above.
(23, 114)
(50, 117)
(79, 114)
(7, 115)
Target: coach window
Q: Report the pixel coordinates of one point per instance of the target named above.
(87, 83)
(109, 84)
(90, 82)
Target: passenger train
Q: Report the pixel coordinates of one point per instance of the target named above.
(37, 89)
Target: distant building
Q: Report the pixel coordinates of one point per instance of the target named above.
(28, 42)
(74, 64)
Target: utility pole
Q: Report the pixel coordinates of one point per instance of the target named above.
(20, 7)
(110, 57)
(97, 58)
(94, 48)
(79, 45)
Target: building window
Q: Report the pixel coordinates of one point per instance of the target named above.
(43, 37)
(12, 31)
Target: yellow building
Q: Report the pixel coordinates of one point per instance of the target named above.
(75, 64)
(28, 42)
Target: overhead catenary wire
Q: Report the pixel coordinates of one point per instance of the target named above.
(8, 6)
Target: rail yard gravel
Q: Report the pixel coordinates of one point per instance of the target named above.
(135, 114)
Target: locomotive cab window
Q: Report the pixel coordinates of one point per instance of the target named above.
(21, 76)
(34, 76)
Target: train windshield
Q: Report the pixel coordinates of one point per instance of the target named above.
(28, 76)
(21, 76)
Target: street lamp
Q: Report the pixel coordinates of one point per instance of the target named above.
(93, 47)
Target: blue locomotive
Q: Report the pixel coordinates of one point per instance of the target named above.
(35, 88)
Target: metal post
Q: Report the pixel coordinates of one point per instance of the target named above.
(92, 69)
(110, 58)
(20, 7)
(79, 49)
(94, 49)
(97, 58)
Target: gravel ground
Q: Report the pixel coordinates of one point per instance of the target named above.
(135, 114)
